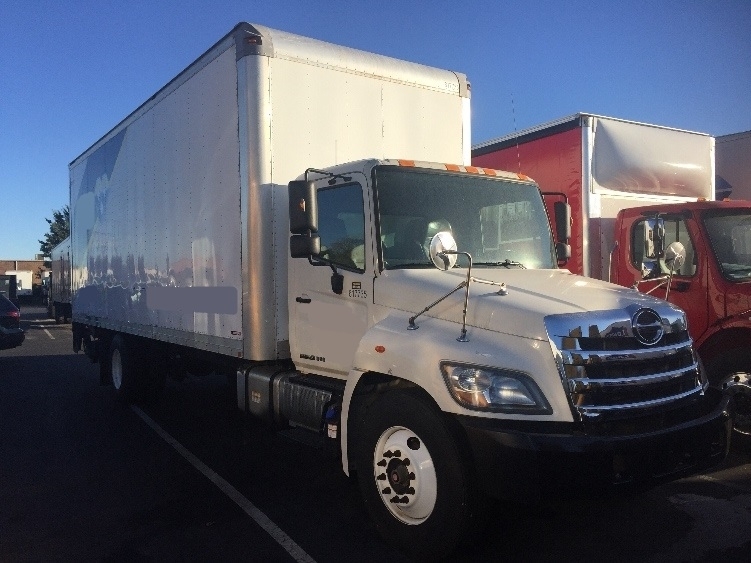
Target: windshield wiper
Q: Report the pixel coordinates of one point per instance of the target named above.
(507, 263)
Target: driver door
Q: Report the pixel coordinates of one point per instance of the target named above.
(687, 290)
(329, 302)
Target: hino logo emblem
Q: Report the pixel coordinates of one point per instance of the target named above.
(647, 326)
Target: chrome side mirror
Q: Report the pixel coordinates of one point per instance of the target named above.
(675, 256)
(443, 250)
(654, 238)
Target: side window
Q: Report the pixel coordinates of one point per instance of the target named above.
(675, 231)
(341, 226)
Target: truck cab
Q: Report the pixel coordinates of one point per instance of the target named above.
(375, 226)
(454, 361)
(713, 285)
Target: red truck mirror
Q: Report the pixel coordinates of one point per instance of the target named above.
(562, 251)
(654, 238)
(562, 212)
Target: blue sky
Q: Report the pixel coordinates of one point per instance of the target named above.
(71, 70)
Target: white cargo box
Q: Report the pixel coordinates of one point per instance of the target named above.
(179, 214)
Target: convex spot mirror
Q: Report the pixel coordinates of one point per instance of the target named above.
(675, 256)
(443, 250)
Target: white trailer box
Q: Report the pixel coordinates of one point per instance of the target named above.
(169, 210)
(602, 165)
(24, 282)
(733, 165)
(58, 298)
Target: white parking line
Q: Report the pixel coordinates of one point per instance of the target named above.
(723, 483)
(49, 334)
(297, 553)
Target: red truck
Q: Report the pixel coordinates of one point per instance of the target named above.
(633, 189)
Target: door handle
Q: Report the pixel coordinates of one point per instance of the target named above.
(302, 299)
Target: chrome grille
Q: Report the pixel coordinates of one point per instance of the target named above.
(617, 377)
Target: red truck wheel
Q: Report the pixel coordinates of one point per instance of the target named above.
(732, 371)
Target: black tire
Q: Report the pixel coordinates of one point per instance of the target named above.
(733, 369)
(742, 417)
(424, 509)
(125, 369)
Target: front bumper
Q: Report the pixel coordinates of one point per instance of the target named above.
(526, 461)
(11, 337)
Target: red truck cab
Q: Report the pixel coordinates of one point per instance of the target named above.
(713, 285)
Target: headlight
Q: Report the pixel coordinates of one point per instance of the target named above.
(492, 389)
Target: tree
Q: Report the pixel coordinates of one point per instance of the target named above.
(59, 230)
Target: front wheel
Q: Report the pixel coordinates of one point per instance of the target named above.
(731, 372)
(740, 385)
(415, 484)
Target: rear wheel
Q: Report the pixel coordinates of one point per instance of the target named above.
(416, 487)
(125, 369)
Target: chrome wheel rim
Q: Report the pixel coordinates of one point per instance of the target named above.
(405, 475)
(739, 385)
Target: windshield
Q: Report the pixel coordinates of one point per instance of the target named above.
(730, 235)
(500, 223)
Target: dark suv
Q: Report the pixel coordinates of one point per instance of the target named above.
(11, 334)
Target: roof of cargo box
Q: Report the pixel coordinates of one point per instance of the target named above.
(284, 45)
(556, 126)
(257, 40)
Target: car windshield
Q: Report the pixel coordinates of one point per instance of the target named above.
(499, 222)
(730, 236)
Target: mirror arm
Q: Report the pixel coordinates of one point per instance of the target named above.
(664, 280)
(465, 284)
(659, 279)
(669, 282)
(337, 279)
(413, 326)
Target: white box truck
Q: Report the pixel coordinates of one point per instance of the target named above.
(303, 217)
(24, 282)
(58, 296)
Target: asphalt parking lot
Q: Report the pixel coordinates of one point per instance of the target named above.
(86, 478)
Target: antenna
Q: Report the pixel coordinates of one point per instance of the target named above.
(513, 114)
